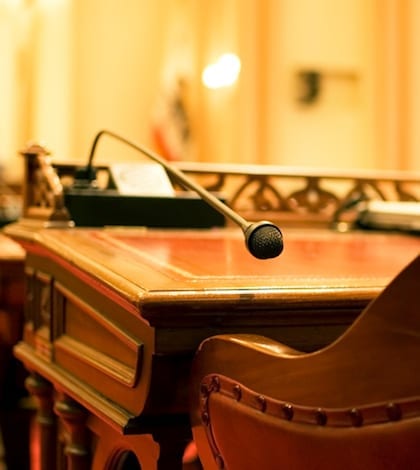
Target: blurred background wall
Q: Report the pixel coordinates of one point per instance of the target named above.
(321, 83)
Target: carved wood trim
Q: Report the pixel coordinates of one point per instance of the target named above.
(301, 196)
(282, 194)
(43, 196)
(122, 362)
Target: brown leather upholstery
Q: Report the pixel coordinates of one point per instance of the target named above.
(257, 404)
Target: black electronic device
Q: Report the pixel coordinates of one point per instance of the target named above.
(105, 207)
(263, 239)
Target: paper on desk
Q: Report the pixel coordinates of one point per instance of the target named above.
(141, 179)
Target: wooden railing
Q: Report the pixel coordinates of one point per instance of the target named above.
(302, 196)
(293, 196)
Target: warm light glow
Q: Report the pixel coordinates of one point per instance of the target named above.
(10, 3)
(50, 3)
(222, 73)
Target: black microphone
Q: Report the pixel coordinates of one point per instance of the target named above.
(263, 239)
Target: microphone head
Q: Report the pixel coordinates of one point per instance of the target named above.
(264, 240)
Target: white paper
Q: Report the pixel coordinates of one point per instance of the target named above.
(141, 179)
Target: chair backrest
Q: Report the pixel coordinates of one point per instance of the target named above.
(355, 404)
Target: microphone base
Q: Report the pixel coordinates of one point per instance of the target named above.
(99, 208)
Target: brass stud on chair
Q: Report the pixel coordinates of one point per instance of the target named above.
(320, 417)
(393, 411)
(204, 390)
(356, 417)
(287, 411)
(215, 383)
(205, 418)
(262, 404)
(237, 392)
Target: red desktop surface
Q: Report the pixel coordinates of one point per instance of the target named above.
(310, 257)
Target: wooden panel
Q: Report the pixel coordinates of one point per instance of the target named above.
(88, 337)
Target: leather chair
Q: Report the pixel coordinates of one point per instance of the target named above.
(355, 404)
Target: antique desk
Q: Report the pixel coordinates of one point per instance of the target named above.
(114, 315)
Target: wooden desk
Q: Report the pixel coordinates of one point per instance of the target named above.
(113, 317)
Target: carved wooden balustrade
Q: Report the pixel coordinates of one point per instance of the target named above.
(287, 195)
(299, 196)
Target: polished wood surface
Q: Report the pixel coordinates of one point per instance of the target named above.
(115, 316)
(354, 404)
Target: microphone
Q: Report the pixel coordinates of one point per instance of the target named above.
(263, 239)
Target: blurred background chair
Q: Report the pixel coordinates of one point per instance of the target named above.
(354, 404)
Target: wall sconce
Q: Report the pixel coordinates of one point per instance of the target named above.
(223, 73)
(311, 82)
(309, 86)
